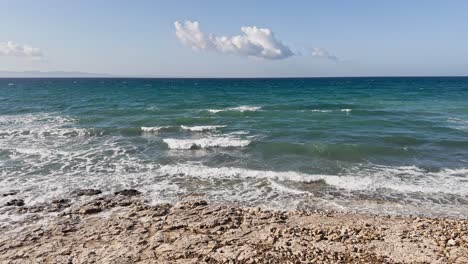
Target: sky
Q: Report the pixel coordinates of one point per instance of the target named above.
(236, 38)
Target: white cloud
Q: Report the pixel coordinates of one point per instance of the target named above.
(10, 48)
(255, 42)
(322, 53)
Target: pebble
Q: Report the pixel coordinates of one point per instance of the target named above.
(15, 202)
(90, 210)
(193, 231)
(9, 193)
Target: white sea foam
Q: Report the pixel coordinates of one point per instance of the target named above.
(153, 129)
(243, 108)
(39, 125)
(401, 179)
(201, 128)
(458, 123)
(283, 189)
(321, 111)
(328, 110)
(242, 132)
(152, 108)
(39, 118)
(157, 129)
(47, 167)
(208, 142)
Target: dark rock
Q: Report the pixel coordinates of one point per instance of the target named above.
(9, 193)
(15, 202)
(192, 204)
(195, 147)
(88, 192)
(90, 210)
(197, 203)
(128, 192)
(60, 201)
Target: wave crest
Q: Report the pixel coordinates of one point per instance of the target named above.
(404, 179)
(153, 129)
(201, 128)
(203, 143)
(243, 108)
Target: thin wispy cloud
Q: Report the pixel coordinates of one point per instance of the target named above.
(253, 42)
(323, 53)
(10, 48)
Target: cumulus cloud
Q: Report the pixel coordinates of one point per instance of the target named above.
(323, 53)
(10, 48)
(253, 42)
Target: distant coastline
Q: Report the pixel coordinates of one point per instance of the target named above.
(51, 74)
(78, 74)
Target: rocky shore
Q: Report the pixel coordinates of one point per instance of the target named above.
(124, 228)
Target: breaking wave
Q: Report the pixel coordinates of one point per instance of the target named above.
(157, 129)
(347, 110)
(405, 179)
(203, 143)
(458, 123)
(153, 129)
(201, 128)
(243, 108)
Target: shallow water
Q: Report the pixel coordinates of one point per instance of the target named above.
(380, 145)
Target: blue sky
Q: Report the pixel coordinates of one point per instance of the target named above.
(138, 38)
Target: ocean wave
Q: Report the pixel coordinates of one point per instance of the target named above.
(347, 110)
(243, 108)
(152, 108)
(51, 132)
(203, 143)
(42, 125)
(458, 123)
(242, 132)
(153, 129)
(405, 179)
(321, 111)
(157, 129)
(283, 189)
(35, 119)
(201, 128)
(335, 151)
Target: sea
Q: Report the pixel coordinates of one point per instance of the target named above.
(378, 145)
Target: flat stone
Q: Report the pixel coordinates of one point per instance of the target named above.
(128, 192)
(15, 202)
(60, 201)
(9, 193)
(90, 210)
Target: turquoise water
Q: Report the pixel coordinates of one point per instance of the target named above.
(383, 145)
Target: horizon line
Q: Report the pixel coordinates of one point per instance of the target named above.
(255, 77)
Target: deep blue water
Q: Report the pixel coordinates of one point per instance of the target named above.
(385, 145)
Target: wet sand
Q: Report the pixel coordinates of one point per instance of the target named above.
(123, 228)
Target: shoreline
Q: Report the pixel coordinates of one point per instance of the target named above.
(123, 228)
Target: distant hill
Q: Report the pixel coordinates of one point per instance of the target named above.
(50, 74)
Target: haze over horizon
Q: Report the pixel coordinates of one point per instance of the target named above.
(236, 39)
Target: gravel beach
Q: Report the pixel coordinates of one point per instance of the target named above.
(123, 228)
